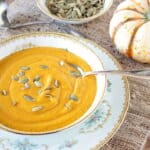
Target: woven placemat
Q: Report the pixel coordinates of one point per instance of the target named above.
(133, 132)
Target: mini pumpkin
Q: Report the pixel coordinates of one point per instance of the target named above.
(130, 29)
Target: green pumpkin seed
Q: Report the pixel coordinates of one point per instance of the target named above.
(25, 80)
(90, 12)
(48, 88)
(26, 86)
(14, 103)
(37, 78)
(40, 91)
(67, 106)
(73, 97)
(78, 12)
(37, 108)
(4, 92)
(82, 8)
(28, 98)
(21, 73)
(61, 63)
(49, 95)
(15, 78)
(74, 14)
(38, 84)
(56, 83)
(44, 67)
(75, 74)
(25, 68)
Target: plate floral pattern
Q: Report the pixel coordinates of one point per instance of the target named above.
(100, 126)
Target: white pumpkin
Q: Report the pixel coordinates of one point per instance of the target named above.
(130, 29)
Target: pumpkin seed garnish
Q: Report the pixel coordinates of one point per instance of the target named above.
(49, 95)
(73, 97)
(66, 49)
(26, 86)
(38, 84)
(40, 91)
(14, 103)
(61, 63)
(48, 88)
(67, 106)
(75, 9)
(76, 67)
(56, 83)
(28, 98)
(37, 78)
(25, 80)
(75, 74)
(44, 67)
(25, 68)
(3, 92)
(21, 73)
(73, 65)
(15, 78)
(37, 108)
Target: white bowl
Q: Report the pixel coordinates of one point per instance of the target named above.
(58, 40)
(42, 6)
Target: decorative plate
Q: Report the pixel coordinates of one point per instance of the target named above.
(99, 127)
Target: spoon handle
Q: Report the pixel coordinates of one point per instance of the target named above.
(28, 24)
(142, 73)
(64, 27)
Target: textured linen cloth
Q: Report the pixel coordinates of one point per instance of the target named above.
(134, 131)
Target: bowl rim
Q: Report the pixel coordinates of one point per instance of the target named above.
(74, 21)
(76, 122)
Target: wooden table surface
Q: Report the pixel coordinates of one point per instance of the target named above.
(134, 131)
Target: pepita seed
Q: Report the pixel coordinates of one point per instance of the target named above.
(67, 106)
(26, 86)
(14, 103)
(56, 83)
(4, 92)
(25, 80)
(49, 95)
(73, 97)
(48, 88)
(82, 8)
(61, 63)
(15, 78)
(40, 91)
(38, 84)
(37, 78)
(25, 68)
(78, 12)
(44, 67)
(28, 98)
(21, 73)
(76, 67)
(75, 74)
(37, 108)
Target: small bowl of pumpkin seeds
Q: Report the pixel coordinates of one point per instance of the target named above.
(74, 11)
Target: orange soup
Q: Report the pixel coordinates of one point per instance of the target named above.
(41, 89)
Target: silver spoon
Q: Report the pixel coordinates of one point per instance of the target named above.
(4, 22)
(138, 73)
(141, 74)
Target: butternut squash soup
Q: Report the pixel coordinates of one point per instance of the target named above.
(41, 89)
